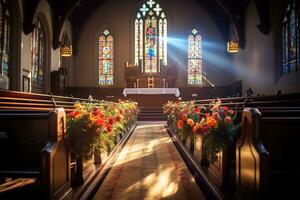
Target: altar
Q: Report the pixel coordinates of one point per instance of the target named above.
(151, 88)
(151, 97)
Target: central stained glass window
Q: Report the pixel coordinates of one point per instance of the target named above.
(151, 37)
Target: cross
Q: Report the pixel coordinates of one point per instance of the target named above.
(151, 3)
(157, 9)
(144, 9)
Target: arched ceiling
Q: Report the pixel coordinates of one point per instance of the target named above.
(223, 12)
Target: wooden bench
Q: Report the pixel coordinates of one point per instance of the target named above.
(267, 152)
(33, 145)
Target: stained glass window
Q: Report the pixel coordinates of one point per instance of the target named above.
(38, 55)
(194, 58)
(4, 38)
(106, 58)
(290, 39)
(151, 37)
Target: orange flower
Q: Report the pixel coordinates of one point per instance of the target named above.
(121, 111)
(211, 122)
(184, 116)
(227, 120)
(190, 122)
(196, 127)
(180, 124)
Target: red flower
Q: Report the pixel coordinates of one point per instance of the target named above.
(74, 114)
(197, 110)
(204, 129)
(196, 128)
(97, 112)
(180, 124)
(118, 118)
(121, 111)
(184, 116)
(111, 120)
(100, 122)
(225, 108)
(227, 120)
(109, 128)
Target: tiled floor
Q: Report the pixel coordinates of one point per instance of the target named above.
(149, 167)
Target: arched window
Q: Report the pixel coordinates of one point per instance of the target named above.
(151, 37)
(38, 57)
(194, 58)
(4, 41)
(290, 39)
(106, 58)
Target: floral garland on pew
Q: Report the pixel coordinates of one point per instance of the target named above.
(93, 126)
(214, 124)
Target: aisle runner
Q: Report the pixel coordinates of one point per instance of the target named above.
(149, 167)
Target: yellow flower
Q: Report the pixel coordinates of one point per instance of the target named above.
(78, 106)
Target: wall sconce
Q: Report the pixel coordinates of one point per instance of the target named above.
(233, 46)
(66, 50)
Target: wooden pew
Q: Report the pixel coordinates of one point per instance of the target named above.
(33, 145)
(83, 172)
(222, 173)
(267, 152)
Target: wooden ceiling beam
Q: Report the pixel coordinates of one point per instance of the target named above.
(262, 7)
(29, 12)
(61, 11)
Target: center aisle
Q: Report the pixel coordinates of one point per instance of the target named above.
(149, 167)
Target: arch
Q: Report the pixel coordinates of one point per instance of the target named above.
(44, 75)
(195, 68)
(150, 28)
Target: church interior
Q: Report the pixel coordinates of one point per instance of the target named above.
(149, 99)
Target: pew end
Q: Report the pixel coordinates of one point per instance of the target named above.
(33, 145)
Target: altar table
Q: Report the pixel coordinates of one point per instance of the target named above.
(151, 91)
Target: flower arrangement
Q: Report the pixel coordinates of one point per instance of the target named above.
(96, 125)
(214, 123)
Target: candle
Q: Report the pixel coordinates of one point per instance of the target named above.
(137, 83)
(164, 83)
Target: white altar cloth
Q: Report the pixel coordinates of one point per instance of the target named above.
(150, 91)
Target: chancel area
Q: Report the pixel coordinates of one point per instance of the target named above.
(149, 99)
